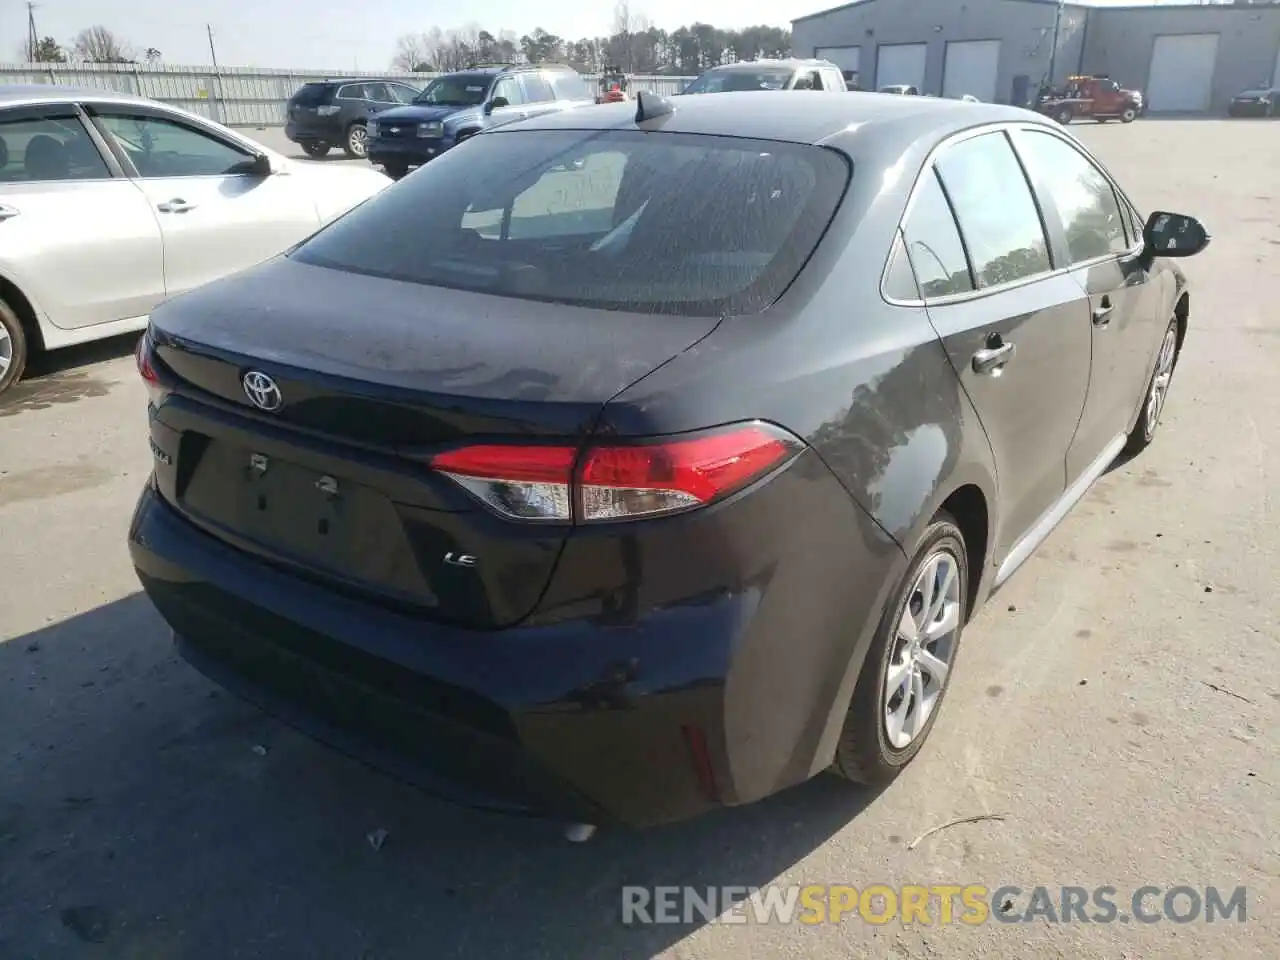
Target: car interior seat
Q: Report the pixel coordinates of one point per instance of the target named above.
(46, 159)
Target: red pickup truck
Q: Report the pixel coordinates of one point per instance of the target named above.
(1094, 98)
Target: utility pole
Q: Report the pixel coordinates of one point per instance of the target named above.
(1053, 50)
(33, 38)
(217, 77)
(208, 28)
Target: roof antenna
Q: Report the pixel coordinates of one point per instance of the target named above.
(649, 106)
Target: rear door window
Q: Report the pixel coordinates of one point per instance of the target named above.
(402, 92)
(353, 91)
(569, 85)
(1078, 192)
(993, 204)
(933, 242)
(536, 88)
(671, 224)
(56, 148)
(509, 90)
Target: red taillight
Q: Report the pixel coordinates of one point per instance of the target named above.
(617, 482)
(144, 355)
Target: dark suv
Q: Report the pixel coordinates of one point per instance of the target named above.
(335, 113)
(458, 105)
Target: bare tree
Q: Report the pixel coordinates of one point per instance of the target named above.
(97, 44)
(412, 53)
(622, 28)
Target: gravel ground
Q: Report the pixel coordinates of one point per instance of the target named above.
(1117, 704)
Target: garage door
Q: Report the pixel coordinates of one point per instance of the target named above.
(899, 63)
(973, 67)
(846, 58)
(1181, 77)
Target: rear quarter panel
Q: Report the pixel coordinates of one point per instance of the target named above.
(867, 385)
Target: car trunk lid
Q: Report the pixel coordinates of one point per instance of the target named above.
(368, 378)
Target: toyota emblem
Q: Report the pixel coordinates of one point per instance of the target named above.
(262, 391)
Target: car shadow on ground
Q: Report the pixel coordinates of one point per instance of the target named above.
(59, 376)
(147, 811)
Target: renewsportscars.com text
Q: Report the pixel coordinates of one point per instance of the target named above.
(934, 904)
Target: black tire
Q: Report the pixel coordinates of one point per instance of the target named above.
(316, 150)
(396, 170)
(356, 143)
(1130, 114)
(13, 347)
(1144, 431)
(864, 754)
(1063, 116)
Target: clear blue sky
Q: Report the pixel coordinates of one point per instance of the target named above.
(333, 34)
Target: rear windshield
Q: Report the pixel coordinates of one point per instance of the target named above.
(456, 90)
(624, 220)
(724, 81)
(312, 94)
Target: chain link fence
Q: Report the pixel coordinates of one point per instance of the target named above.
(236, 96)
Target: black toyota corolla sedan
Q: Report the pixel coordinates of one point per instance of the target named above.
(628, 462)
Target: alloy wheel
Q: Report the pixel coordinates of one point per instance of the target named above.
(358, 140)
(1159, 392)
(6, 351)
(923, 649)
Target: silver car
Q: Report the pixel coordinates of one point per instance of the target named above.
(111, 204)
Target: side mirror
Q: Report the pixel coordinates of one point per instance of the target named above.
(261, 165)
(497, 103)
(1174, 235)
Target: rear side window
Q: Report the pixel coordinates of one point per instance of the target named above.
(56, 148)
(1079, 193)
(313, 95)
(933, 242)
(998, 217)
(536, 89)
(670, 224)
(569, 85)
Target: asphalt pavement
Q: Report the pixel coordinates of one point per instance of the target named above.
(1114, 711)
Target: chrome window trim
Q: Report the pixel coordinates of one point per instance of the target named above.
(1009, 127)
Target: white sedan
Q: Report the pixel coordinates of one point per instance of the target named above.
(111, 204)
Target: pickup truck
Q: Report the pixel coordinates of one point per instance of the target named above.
(1094, 98)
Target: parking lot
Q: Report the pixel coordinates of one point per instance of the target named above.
(1116, 706)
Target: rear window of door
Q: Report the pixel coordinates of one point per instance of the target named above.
(536, 88)
(509, 90)
(49, 148)
(378, 93)
(616, 219)
(1078, 192)
(402, 92)
(569, 85)
(998, 217)
(162, 148)
(354, 91)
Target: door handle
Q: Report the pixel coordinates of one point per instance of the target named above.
(1102, 312)
(7, 212)
(176, 205)
(992, 359)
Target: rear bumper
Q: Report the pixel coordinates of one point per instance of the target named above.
(316, 131)
(1249, 110)
(564, 721)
